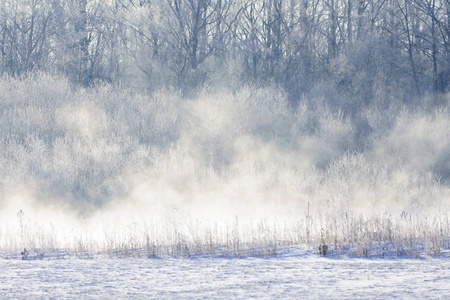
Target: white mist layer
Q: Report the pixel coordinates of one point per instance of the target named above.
(83, 160)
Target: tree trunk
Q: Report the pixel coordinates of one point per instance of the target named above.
(349, 22)
(83, 45)
(332, 35)
(410, 47)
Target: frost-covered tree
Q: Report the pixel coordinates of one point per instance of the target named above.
(26, 31)
(303, 46)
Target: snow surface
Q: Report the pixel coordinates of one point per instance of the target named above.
(293, 274)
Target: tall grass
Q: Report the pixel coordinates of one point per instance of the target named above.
(352, 235)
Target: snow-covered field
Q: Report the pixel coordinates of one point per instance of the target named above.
(293, 274)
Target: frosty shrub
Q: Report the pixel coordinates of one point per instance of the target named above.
(418, 141)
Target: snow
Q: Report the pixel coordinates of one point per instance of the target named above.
(293, 274)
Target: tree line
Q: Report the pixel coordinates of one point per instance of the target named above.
(358, 50)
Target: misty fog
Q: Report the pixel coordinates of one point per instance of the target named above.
(213, 109)
(219, 152)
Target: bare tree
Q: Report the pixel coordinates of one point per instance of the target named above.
(26, 27)
(189, 28)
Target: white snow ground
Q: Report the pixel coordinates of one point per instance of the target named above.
(293, 274)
